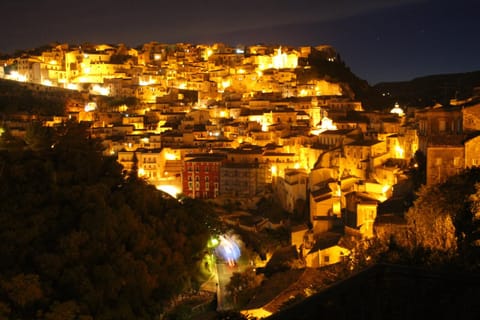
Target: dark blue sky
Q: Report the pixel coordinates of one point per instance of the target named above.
(381, 40)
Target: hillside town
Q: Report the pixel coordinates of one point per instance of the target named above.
(238, 124)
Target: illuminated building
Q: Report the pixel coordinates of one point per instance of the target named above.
(201, 176)
(292, 188)
(243, 180)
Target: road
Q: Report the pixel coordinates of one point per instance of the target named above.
(220, 278)
(224, 273)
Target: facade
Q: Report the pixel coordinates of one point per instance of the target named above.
(292, 188)
(201, 177)
(360, 214)
(438, 121)
(472, 152)
(471, 117)
(242, 179)
(444, 161)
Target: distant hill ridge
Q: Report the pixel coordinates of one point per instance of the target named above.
(430, 90)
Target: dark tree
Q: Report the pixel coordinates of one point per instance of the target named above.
(79, 241)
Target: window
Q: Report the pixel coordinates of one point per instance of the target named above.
(456, 161)
(442, 125)
(326, 259)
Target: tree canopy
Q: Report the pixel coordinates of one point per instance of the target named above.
(444, 218)
(79, 240)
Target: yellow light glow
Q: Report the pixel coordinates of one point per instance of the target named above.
(53, 62)
(274, 170)
(207, 53)
(283, 60)
(146, 82)
(326, 124)
(170, 156)
(91, 106)
(337, 207)
(157, 56)
(226, 84)
(47, 83)
(171, 190)
(14, 75)
(241, 71)
(385, 188)
(71, 86)
(213, 242)
(141, 172)
(399, 152)
(101, 90)
(397, 110)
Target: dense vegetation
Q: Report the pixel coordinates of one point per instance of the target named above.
(16, 97)
(79, 240)
(442, 230)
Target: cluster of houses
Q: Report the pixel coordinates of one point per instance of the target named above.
(220, 122)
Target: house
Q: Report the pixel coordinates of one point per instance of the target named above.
(242, 179)
(438, 121)
(297, 235)
(445, 157)
(472, 152)
(325, 251)
(201, 176)
(291, 188)
(360, 214)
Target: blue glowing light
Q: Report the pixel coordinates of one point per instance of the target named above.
(228, 249)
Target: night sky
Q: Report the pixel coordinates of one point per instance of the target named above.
(381, 40)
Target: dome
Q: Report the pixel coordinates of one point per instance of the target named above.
(397, 110)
